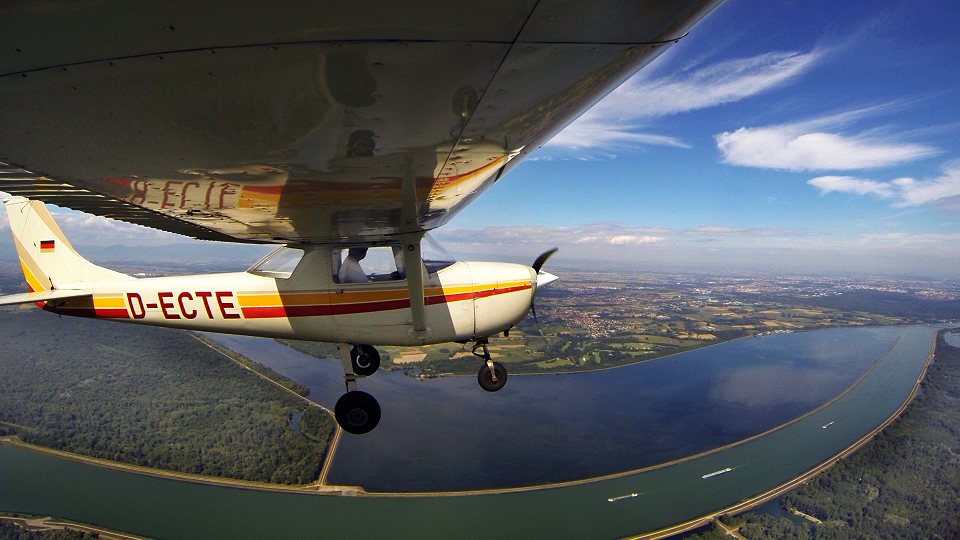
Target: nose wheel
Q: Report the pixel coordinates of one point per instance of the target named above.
(364, 360)
(357, 412)
(492, 375)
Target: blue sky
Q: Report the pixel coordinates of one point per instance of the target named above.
(780, 136)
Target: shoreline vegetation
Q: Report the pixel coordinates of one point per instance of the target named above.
(903, 481)
(33, 527)
(155, 398)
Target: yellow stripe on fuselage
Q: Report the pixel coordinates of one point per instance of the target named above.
(287, 299)
(106, 302)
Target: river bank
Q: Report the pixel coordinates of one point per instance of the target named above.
(787, 486)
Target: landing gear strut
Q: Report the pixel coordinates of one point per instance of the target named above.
(492, 375)
(357, 412)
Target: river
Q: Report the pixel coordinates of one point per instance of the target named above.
(160, 508)
(446, 434)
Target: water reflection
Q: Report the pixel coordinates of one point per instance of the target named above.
(446, 434)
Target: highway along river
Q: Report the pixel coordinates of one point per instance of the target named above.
(448, 435)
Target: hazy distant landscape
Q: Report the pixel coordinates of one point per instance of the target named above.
(598, 320)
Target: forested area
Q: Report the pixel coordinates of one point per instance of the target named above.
(887, 303)
(289, 384)
(150, 396)
(10, 531)
(905, 484)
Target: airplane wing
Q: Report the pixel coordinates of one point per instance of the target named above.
(298, 121)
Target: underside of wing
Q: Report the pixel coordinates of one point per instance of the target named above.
(302, 122)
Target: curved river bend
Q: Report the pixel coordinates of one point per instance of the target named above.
(448, 434)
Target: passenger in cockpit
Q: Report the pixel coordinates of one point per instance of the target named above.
(350, 270)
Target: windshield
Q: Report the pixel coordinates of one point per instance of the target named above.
(435, 257)
(279, 264)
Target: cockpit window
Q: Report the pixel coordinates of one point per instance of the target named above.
(280, 264)
(361, 264)
(435, 257)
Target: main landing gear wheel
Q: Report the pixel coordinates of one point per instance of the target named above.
(364, 359)
(357, 412)
(492, 376)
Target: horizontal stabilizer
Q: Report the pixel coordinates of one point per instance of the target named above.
(42, 296)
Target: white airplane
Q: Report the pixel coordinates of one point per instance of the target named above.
(341, 133)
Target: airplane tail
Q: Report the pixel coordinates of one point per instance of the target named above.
(48, 260)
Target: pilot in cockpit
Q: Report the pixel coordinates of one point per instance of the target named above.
(350, 270)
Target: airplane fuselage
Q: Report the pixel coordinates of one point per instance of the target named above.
(463, 301)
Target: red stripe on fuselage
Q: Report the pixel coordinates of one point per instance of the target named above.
(318, 310)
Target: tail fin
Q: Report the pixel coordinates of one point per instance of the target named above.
(48, 260)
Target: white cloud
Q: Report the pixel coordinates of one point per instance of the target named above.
(599, 133)
(631, 239)
(917, 192)
(943, 191)
(724, 82)
(617, 118)
(849, 184)
(780, 147)
(911, 240)
(804, 146)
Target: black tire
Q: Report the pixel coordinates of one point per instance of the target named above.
(487, 382)
(357, 412)
(365, 360)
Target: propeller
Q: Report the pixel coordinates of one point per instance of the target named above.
(543, 279)
(538, 264)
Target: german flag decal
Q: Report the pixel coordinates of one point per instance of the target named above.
(46, 246)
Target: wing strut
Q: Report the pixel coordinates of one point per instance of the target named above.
(413, 263)
(412, 259)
